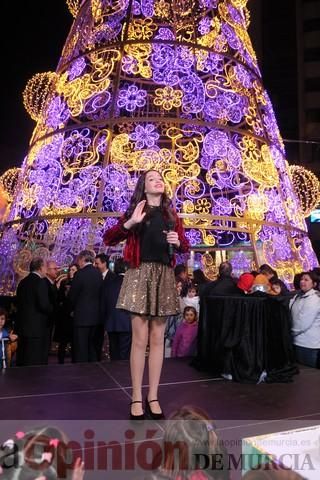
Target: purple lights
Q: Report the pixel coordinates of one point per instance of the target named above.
(140, 85)
(144, 136)
(131, 98)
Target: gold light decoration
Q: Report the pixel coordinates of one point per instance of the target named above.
(239, 3)
(8, 182)
(169, 86)
(167, 98)
(306, 187)
(3, 204)
(209, 267)
(36, 93)
(74, 7)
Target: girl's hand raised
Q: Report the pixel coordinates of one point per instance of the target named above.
(137, 216)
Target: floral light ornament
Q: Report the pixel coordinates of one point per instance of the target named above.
(131, 98)
(149, 86)
(167, 98)
(144, 136)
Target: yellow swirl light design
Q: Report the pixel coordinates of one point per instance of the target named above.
(307, 188)
(239, 3)
(37, 92)
(258, 163)
(79, 90)
(74, 6)
(86, 158)
(209, 267)
(208, 39)
(162, 9)
(97, 10)
(141, 53)
(141, 29)
(122, 152)
(8, 182)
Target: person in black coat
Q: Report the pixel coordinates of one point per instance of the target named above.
(34, 309)
(84, 295)
(64, 322)
(117, 322)
(224, 285)
(50, 279)
(102, 264)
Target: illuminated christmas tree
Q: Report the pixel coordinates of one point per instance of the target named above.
(170, 85)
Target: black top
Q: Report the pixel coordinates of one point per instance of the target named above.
(154, 245)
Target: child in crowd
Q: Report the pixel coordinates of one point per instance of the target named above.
(245, 282)
(278, 287)
(41, 454)
(173, 321)
(192, 298)
(184, 342)
(8, 340)
(193, 437)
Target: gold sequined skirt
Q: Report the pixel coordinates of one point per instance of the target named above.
(149, 290)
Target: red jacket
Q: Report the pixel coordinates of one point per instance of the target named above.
(131, 253)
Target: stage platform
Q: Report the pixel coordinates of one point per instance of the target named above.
(98, 394)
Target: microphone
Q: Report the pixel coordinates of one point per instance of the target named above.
(170, 226)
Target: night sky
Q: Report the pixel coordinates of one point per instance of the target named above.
(40, 28)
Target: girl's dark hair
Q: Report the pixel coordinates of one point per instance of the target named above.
(139, 195)
(192, 309)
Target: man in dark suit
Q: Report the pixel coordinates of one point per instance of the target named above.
(117, 322)
(224, 285)
(50, 279)
(85, 297)
(33, 316)
(102, 264)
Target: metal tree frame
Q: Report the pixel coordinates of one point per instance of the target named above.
(169, 85)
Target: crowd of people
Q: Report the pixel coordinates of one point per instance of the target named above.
(73, 310)
(302, 303)
(78, 310)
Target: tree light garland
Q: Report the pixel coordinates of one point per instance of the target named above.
(172, 86)
(36, 93)
(307, 188)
